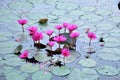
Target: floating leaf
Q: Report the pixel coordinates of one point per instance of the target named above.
(114, 18)
(63, 19)
(76, 12)
(88, 9)
(67, 6)
(40, 75)
(3, 38)
(18, 49)
(58, 12)
(112, 45)
(87, 62)
(20, 5)
(61, 71)
(92, 18)
(76, 74)
(112, 40)
(103, 12)
(52, 2)
(80, 23)
(107, 70)
(89, 71)
(36, 1)
(29, 68)
(4, 11)
(104, 26)
(16, 75)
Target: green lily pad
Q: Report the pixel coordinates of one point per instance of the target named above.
(40, 75)
(77, 12)
(29, 68)
(104, 26)
(20, 5)
(88, 9)
(2, 62)
(14, 62)
(110, 54)
(107, 70)
(9, 18)
(103, 34)
(58, 12)
(103, 12)
(5, 34)
(76, 74)
(112, 40)
(52, 17)
(4, 11)
(112, 45)
(42, 57)
(16, 75)
(61, 71)
(79, 23)
(114, 18)
(87, 62)
(3, 38)
(52, 2)
(36, 16)
(67, 6)
(89, 71)
(69, 59)
(36, 1)
(92, 18)
(63, 19)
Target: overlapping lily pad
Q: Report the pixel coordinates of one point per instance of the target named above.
(4, 11)
(110, 54)
(67, 6)
(76, 74)
(104, 26)
(80, 23)
(76, 12)
(58, 12)
(20, 5)
(103, 12)
(3, 38)
(5, 34)
(89, 71)
(69, 59)
(114, 18)
(8, 47)
(63, 19)
(87, 62)
(92, 18)
(88, 9)
(112, 40)
(36, 1)
(112, 45)
(40, 75)
(29, 68)
(107, 70)
(52, 2)
(61, 71)
(16, 75)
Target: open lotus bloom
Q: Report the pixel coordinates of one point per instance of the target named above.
(37, 36)
(74, 34)
(22, 21)
(32, 30)
(91, 35)
(65, 24)
(49, 32)
(58, 27)
(24, 54)
(60, 38)
(65, 52)
(72, 27)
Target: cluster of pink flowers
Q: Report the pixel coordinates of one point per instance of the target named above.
(59, 38)
(65, 52)
(74, 35)
(37, 36)
(32, 30)
(24, 54)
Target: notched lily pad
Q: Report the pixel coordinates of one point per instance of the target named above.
(40, 75)
(87, 62)
(29, 68)
(107, 70)
(61, 71)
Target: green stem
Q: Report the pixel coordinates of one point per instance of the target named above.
(64, 60)
(90, 42)
(23, 28)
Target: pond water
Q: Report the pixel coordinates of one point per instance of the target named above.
(101, 16)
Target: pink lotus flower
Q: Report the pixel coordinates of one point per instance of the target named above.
(65, 52)
(32, 30)
(58, 27)
(24, 54)
(72, 27)
(60, 38)
(91, 35)
(74, 34)
(37, 36)
(65, 24)
(51, 43)
(22, 21)
(49, 32)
